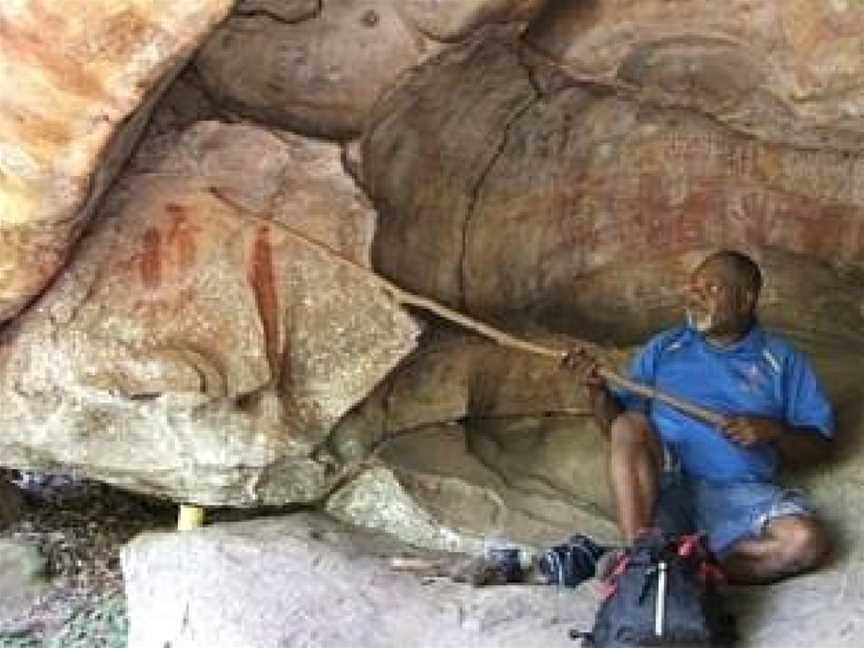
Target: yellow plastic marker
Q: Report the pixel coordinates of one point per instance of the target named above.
(190, 517)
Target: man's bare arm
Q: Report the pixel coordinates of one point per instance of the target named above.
(797, 445)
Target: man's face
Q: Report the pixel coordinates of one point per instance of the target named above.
(717, 305)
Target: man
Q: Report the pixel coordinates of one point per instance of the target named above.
(671, 471)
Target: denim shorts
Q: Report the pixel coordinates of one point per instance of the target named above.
(725, 512)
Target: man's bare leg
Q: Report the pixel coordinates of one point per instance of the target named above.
(635, 461)
(790, 545)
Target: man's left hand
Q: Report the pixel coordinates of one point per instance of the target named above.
(749, 431)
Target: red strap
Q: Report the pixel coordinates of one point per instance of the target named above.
(711, 573)
(690, 546)
(610, 583)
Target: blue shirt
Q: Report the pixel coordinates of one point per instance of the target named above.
(760, 375)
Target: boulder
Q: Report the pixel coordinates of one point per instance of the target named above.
(306, 580)
(425, 187)
(317, 70)
(78, 85)
(205, 342)
(787, 71)
(533, 199)
(318, 67)
(22, 581)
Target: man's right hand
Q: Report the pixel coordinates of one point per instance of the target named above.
(604, 406)
(580, 361)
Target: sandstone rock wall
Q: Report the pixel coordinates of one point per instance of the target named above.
(591, 203)
(77, 87)
(788, 71)
(559, 180)
(199, 348)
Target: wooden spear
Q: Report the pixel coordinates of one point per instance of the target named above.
(505, 339)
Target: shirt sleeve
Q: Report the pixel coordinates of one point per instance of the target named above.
(642, 369)
(805, 402)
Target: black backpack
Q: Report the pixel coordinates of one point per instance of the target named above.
(663, 592)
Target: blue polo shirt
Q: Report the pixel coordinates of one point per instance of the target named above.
(760, 375)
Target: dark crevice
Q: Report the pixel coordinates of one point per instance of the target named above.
(145, 396)
(516, 416)
(478, 186)
(532, 74)
(272, 15)
(386, 400)
(346, 475)
(467, 33)
(194, 77)
(354, 171)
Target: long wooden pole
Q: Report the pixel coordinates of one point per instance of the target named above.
(505, 339)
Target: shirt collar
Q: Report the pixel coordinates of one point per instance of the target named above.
(751, 344)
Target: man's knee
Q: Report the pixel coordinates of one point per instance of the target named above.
(791, 545)
(805, 542)
(801, 544)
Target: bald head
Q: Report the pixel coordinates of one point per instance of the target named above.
(741, 269)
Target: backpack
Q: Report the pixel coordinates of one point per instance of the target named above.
(663, 592)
